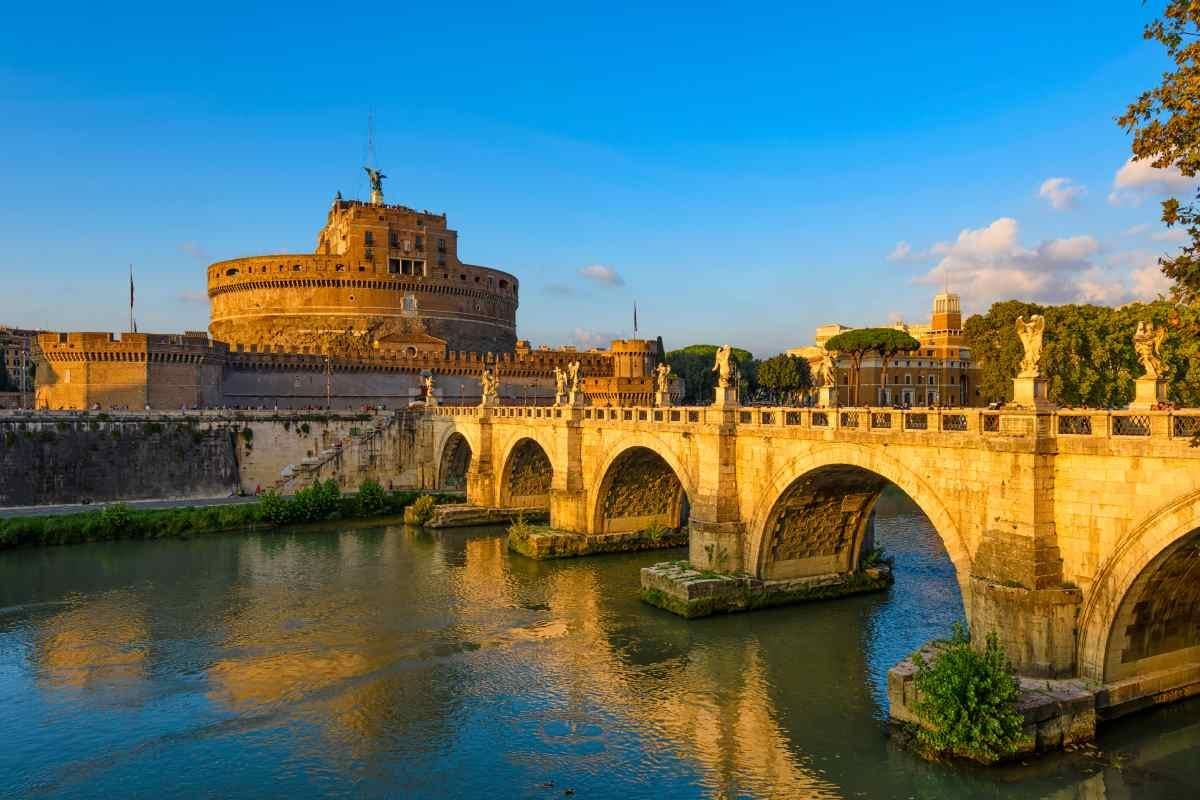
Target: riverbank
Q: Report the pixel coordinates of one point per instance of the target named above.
(117, 521)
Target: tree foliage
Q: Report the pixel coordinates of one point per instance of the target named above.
(1088, 356)
(967, 699)
(861, 342)
(1165, 123)
(783, 377)
(694, 364)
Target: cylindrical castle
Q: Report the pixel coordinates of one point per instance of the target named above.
(387, 267)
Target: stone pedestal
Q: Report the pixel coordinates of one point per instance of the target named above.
(489, 401)
(727, 397)
(1031, 392)
(827, 397)
(576, 400)
(560, 399)
(431, 401)
(1148, 393)
(662, 399)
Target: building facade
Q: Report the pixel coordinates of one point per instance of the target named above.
(940, 373)
(18, 355)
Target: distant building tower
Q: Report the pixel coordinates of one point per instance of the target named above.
(947, 313)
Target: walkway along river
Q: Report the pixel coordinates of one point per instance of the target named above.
(390, 662)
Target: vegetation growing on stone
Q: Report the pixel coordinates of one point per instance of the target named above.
(967, 699)
(119, 521)
(423, 509)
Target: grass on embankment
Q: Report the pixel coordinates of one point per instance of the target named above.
(320, 503)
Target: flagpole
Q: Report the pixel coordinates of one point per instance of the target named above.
(131, 322)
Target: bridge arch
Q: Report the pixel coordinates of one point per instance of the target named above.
(1142, 612)
(834, 488)
(454, 461)
(641, 476)
(527, 474)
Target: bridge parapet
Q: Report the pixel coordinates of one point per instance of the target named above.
(1179, 425)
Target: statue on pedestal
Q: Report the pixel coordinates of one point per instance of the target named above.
(573, 376)
(726, 368)
(1030, 334)
(662, 378)
(560, 386)
(376, 177)
(1147, 342)
(490, 388)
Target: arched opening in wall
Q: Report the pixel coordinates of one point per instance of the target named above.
(527, 477)
(1157, 626)
(456, 460)
(640, 492)
(840, 518)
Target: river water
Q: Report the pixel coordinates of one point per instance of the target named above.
(387, 662)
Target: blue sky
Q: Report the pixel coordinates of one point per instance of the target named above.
(747, 171)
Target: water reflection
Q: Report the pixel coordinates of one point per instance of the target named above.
(385, 662)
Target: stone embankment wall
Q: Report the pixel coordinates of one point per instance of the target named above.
(66, 458)
(59, 461)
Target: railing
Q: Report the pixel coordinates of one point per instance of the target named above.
(1067, 423)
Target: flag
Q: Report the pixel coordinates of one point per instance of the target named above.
(131, 288)
(635, 317)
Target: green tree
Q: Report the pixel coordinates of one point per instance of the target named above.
(1165, 123)
(861, 342)
(1087, 356)
(783, 377)
(694, 364)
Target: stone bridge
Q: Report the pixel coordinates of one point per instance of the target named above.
(1075, 535)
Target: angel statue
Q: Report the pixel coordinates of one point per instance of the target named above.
(376, 177)
(662, 378)
(827, 371)
(560, 381)
(428, 381)
(573, 375)
(726, 367)
(1147, 342)
(489, 386)
(1030, 334)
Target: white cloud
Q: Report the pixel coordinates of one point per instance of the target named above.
(601, 274)
(1137, 181)
(586, 338)
(1136, 230)
(1174, 235)
(988, 264)
(1061, 193)
(900, 252)
(194, 249)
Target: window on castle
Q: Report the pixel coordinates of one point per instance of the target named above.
(419, 267)
(340, 268)
(931, 383)
(503, 284)
(441, 245)
(231, 272)
(394, 239)
(441, 261)
(908, 380)
(295, 267)
(406, 267)
(419, 241)
(369, 239)
(393, 265)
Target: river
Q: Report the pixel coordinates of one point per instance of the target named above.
(388, 662)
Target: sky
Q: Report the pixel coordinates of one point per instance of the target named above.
(743, 172)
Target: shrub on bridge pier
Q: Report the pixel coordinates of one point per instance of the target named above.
(967, 700)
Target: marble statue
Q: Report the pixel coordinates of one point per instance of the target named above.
(489, 385)
(1147, 342)
(1030, 334)
(827, 371)
(662, 379)
(573, 376)
(560, 382)
(726, 368)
